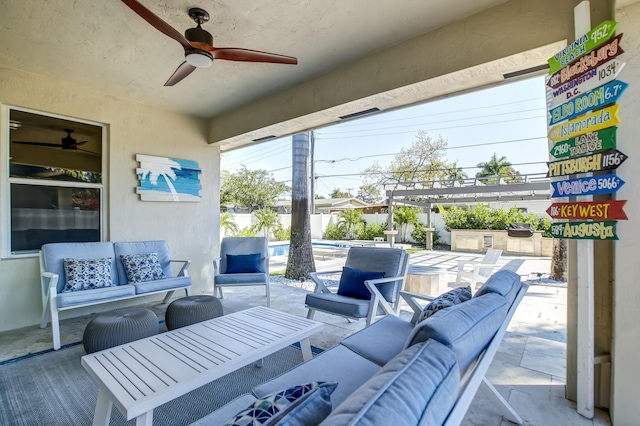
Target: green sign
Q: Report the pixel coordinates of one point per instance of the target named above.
(585, 230)
(583, 144)
(581, 46)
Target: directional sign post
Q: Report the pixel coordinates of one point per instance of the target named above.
(585, 230)
(607, 160)
(593, 99)
(595, 185)
(594, 210)
(583, 144)
(594, 121)
(582, 45)
(604, 74)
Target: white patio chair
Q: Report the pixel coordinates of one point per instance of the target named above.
(478, 272)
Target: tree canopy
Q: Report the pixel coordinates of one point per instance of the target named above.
(496, 168)
(251, 188)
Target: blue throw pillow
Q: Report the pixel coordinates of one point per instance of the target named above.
(304, 404)
(87, 274)
(445, 300)
(352, 282)
(142, 267)
(243, 263)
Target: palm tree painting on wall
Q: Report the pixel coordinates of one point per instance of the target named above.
(168, 179)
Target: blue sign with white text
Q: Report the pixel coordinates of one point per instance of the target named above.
(603, 184)
(593, 99)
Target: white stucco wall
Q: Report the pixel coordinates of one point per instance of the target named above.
(626, 297)
(191, 229)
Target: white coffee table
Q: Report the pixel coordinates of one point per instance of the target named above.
(139, 376)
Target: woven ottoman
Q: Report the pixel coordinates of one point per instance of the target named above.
(192, 309)
(118, 327)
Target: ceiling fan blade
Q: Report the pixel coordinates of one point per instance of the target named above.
(89, 152)
(55, 145)
(183, 70)
(246, 55)
(158, 23)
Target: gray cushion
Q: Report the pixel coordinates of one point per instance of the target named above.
(338, 364)
(381, 341)
(53, 255)
(506, 283)
(143, 247)
(417, 387)
(466, 328)
(95, 295)
(224, 413)
(391, 261)
(444, 301)
(241, 279)
(337, 304)
(244, 245)
(160, 285)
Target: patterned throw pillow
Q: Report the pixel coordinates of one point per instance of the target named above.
(86, 274)
(273, 407)
(142, 267)
(445, 300)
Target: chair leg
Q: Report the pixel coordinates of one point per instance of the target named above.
(218, 289)
(55, 329)
(311, 313)
(167, 297)
(268, 296)
(505, 408)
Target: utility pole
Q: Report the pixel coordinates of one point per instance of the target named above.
(312, 184)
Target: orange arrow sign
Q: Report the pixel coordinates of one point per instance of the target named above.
(596, 210)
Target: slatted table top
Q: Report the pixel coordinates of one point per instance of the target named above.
(146, 373)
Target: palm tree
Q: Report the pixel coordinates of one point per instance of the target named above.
(228, 224)
(403, 217)
(496, 168)
(266, 219)
(455, 173)
(164, 169)
(300, 262)
(348, 221)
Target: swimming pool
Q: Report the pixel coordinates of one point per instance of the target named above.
(283, 249)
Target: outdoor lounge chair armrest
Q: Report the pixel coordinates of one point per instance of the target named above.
(412, 301)
(320, 286)
(216, 265)
(184, 270)
(52, 281)
(476, 265)
(377, 299)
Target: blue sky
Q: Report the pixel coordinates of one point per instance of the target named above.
(510, 120)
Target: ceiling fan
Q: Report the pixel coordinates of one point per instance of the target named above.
(198, 44)
(67, 142)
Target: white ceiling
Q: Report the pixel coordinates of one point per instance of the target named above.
(104, 45)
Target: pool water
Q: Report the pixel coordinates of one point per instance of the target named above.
(283, 249)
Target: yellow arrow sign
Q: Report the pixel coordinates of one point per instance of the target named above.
(597, 120)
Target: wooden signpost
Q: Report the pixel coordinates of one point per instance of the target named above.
(593, 185)
(606, 160)
(594, 121)
(581, 46)
(601, 140)
(594, 210)
(604, 74)
(605, 230)
(593, 99)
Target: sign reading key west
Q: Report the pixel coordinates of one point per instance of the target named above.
(596, 98)
(589, 142)
(594, 185)
(581, 46)
(596, 210)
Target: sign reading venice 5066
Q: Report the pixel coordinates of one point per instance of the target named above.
(583, 144)
(582, 45)
(585, 230)
(596, 98)
(595, 185)
(597, 120)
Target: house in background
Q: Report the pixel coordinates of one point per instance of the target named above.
(97, 64)
(326, 205)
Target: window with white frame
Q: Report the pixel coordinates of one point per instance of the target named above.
(55, 180)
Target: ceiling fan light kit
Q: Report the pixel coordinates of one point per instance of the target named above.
(198, 44)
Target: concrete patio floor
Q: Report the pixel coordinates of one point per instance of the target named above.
(529, 368)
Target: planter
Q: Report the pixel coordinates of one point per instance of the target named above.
(479, 240)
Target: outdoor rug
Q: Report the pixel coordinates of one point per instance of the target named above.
(54, 389)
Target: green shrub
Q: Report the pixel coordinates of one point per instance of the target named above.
(282, 234)
(333, 232)
(419, 235)
(497, 219)
(246, 232)
(369, 232)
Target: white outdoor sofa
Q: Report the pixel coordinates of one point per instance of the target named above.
(54, 279)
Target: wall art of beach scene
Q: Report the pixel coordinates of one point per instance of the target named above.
(168, 179)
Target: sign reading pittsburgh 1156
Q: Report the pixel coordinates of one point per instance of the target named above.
(606, 160)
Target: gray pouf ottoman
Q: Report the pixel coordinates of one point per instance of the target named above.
(118, 327)
(192, 309)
